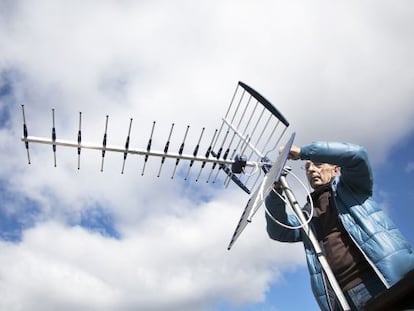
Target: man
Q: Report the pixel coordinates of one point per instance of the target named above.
(364, 249)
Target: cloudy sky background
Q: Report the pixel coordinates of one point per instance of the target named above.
(88, 240)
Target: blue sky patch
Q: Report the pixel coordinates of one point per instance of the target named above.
(17, 213)
(6, 97)
(99, 219)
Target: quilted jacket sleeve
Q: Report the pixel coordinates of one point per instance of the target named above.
(276, 207)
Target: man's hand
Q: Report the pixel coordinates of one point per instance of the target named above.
(294, 153)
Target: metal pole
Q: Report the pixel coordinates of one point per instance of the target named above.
(322, 260)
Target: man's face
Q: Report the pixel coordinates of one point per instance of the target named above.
(320, 174)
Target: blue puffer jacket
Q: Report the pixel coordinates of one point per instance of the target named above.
(370, 228)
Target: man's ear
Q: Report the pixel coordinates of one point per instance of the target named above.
(337, 170)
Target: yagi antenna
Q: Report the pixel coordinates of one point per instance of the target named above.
(245, 143)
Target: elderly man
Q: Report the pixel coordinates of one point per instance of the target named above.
(364, 249)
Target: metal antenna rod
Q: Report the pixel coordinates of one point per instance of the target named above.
(235, 133)
(148, 148)
(262, 157)
(232, 119)
(226, 153)
(256, 144)
(195, 152)
(228, 179)
(232, 99)
(245, 144)
(218, 154)
(264, 148)
(262, 132)
(225, 118)
(227, 132)
(25, 134)
(207, 155)
(312, 238)
(250, 120)
(244, 111)
(104, 142)
(251, 116)
(180, 152)
(255, 128)
(256, 180)
(54, 135)
(221, 128)
(79, 139)
(276, 144)
(167, 145)
(126, 146)
(245, 128)
(259, 138)
(246, 141)
(271, 135)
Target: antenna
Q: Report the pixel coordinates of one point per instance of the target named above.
(239, 150)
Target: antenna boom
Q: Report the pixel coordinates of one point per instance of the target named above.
(144, 152)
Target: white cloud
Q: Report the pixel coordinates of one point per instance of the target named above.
(179, 261)
(342, 72)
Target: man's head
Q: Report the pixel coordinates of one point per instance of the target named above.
(320, 174)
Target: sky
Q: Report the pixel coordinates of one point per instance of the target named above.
(88, 240)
